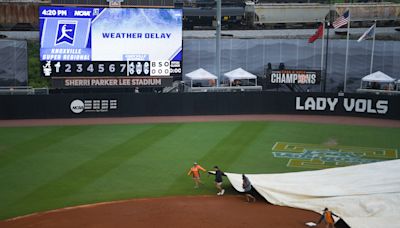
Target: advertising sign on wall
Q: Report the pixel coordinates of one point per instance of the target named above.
(67, 105)
(300, 77)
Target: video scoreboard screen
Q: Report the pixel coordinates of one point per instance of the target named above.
(110, 47)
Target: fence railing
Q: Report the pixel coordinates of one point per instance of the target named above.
(23, 90)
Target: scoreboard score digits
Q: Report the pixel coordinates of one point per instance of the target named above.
(110, 42)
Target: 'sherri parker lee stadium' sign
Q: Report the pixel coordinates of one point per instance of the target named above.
(301, 77)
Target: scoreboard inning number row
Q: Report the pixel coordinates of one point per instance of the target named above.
(110, 68)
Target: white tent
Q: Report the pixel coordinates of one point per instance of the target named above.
(374, 80)
(378, 77)
(239, 74)
(364, 196)
(199, 75)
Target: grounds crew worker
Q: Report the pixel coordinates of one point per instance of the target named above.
(195, 171)
(218, 180)
(328, 218)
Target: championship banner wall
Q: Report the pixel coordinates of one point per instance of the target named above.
(300, 77)
(111, 42)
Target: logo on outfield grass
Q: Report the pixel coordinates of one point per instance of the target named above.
(328, 156)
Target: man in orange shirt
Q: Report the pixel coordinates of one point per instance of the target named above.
(195, 171)
(327, 217)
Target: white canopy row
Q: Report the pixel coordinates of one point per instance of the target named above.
(203, 75)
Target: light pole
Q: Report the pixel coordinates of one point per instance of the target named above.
(218, 43)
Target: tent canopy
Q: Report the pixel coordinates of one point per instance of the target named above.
(239, 74)
(378, 77)
(200, 74)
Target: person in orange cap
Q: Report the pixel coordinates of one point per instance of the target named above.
(327, 216)
(195, 171)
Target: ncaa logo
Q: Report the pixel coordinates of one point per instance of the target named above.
(77, 106)
(66, 31)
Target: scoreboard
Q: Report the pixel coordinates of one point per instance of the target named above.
(83, 46)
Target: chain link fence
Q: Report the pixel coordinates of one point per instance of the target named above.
(13, 63)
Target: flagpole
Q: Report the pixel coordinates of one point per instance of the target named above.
(326, 55)
(373, 49)
(347, 53)
(322, 51)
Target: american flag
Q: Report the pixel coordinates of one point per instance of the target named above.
(342, 20)
(368, 34)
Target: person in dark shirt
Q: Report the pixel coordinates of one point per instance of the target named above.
(247, 189)
(218, 180)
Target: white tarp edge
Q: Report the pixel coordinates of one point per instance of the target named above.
(365, 195)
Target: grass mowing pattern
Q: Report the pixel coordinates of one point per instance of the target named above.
(43, 168)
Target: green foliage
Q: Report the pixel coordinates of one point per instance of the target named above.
(34, 78)
(43, 168)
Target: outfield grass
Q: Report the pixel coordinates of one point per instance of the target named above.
(43, 168)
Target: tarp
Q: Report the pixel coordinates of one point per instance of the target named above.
(365, 195)
(239, 74)
(378, 77)
(200, 74)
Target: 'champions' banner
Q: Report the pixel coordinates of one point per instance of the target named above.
(301, 77)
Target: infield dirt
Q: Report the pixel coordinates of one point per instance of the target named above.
(200, 211)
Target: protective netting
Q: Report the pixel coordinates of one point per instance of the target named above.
(13, 63)
(253, 54)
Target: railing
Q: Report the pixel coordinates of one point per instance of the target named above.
(23, 90)
(379, 91)
(27, 1)
(223, 89)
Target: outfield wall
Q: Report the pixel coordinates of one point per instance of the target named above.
(149, 104)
